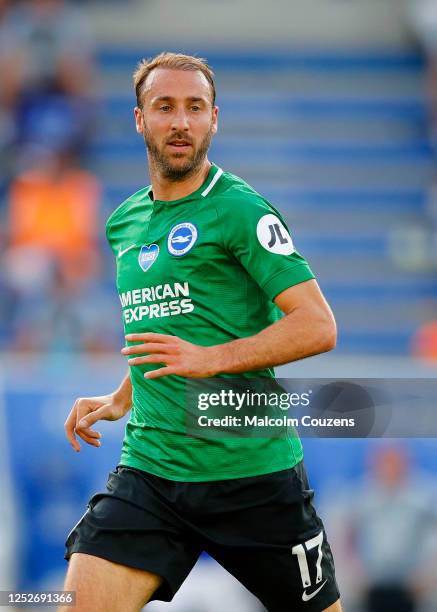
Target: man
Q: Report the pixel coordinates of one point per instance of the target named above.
(386, 532)
(204, 264)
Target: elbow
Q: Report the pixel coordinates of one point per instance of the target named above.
(328, 335)
(323, 332)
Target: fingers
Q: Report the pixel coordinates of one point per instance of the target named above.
(72, 439)
(159, 372)
(92, 417)
(149, 337)
(87, 435)
(79, 422)
(149, 359)
(158, 358)
(69, 427)
(90, 433)
(88, 439)
(149, 347)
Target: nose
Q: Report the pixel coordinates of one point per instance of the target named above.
(180, 121)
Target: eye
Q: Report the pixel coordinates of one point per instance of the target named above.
(195, 108)
(164, 108)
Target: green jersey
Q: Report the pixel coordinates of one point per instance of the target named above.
(205, 268)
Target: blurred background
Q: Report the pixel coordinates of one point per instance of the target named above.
(329, 109)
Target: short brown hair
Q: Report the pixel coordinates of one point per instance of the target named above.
(172, 61)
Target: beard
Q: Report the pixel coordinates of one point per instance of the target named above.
(164, 162)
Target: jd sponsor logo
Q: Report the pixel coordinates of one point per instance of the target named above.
(273, 235)
(147, 256)
(181, 239)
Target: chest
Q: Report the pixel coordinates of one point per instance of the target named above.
(158, 245)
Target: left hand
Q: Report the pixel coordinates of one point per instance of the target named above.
(179, 356)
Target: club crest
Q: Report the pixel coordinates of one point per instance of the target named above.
(181, 239)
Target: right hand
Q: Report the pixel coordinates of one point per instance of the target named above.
(88, 410)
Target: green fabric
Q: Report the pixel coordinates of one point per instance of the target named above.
(219, 290)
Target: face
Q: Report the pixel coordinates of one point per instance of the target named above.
(177, 121)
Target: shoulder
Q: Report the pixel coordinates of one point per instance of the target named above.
(236, 199)
(125, 206)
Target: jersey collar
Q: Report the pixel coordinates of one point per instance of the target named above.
(204, 190)
(213, 176)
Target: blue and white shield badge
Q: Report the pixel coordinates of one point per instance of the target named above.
(147, 256)
(181, 238)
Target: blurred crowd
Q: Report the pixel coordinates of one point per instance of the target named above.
(383, 529)
(53, 295)
(52, 268)
(420, 241)
(49, 202)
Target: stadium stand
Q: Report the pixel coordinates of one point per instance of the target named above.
(337, 141)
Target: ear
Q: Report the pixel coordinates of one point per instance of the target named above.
(139, 120)
(215, 112)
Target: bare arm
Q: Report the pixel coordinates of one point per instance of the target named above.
(308, 328)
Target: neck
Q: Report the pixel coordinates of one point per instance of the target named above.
(167, 190)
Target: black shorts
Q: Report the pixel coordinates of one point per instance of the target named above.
(263, 529)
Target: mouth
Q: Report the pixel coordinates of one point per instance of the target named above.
(179, 145)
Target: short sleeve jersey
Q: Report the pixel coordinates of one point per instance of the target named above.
(206, 268)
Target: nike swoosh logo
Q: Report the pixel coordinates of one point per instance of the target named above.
(120, 253)
(307, 597)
